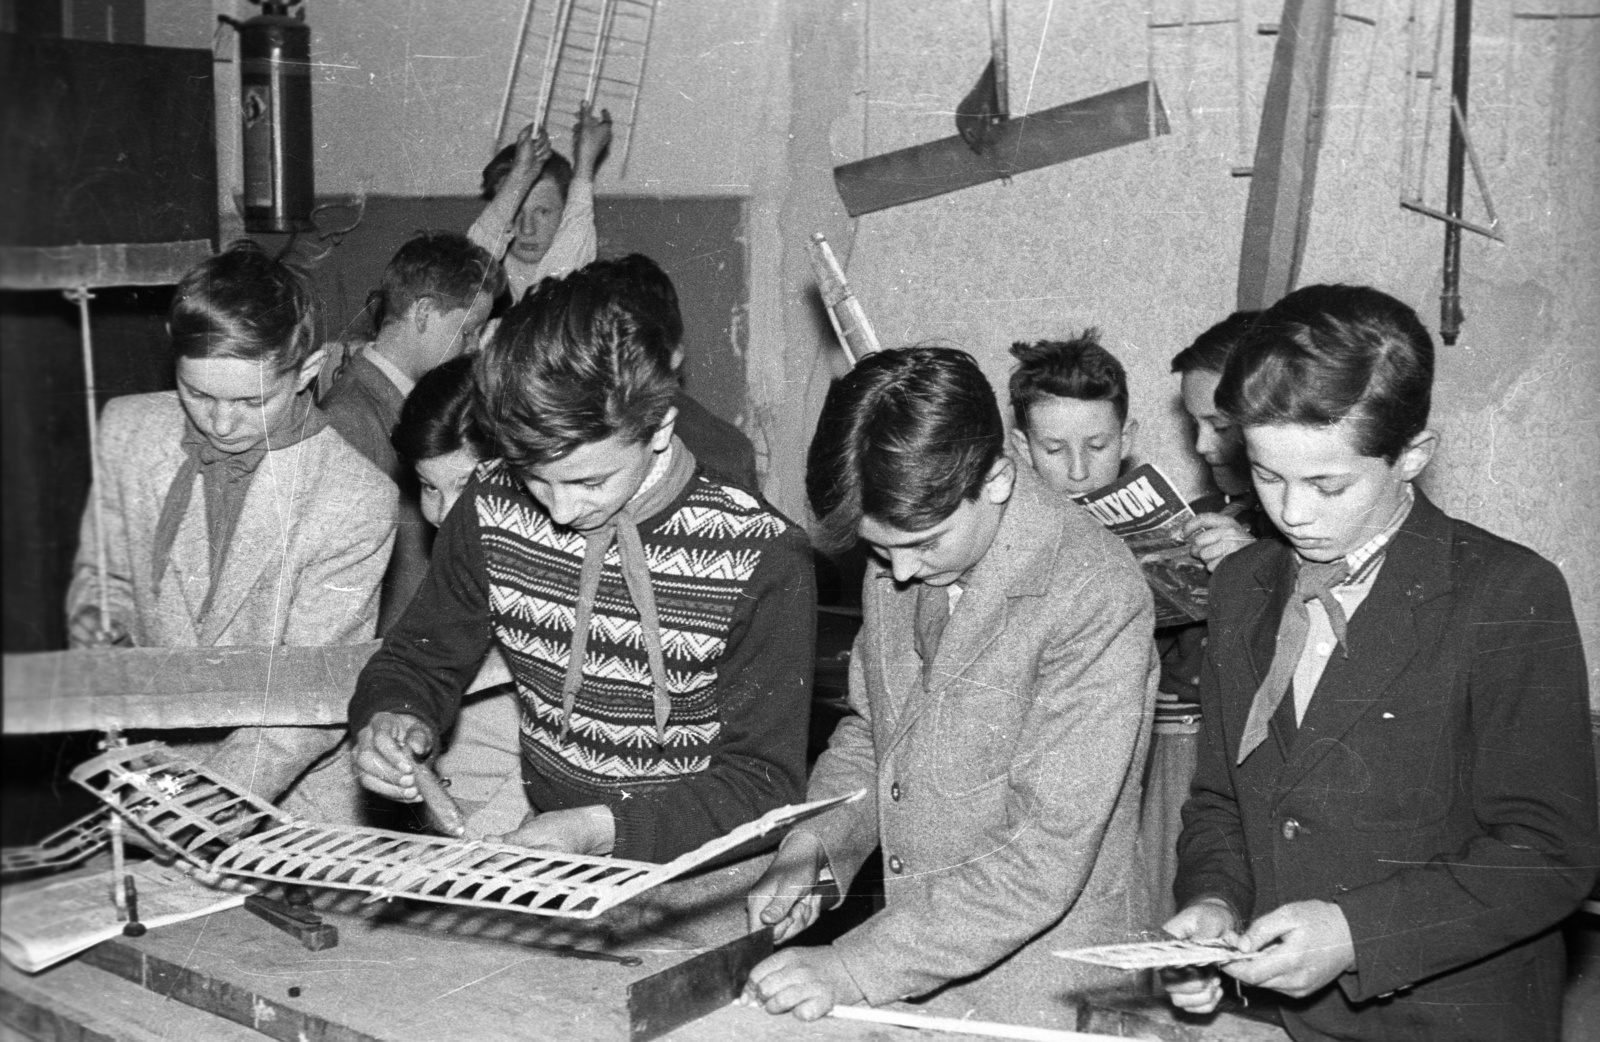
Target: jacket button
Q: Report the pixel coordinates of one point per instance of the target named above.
(1291, 828)
(894, 792)
(896, 865)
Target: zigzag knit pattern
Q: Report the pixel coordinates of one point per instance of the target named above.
(701, 558)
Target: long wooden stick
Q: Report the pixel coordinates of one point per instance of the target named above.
(81, 296)
(511, 77)
(552, 59)
(608, 10)
(953, 1025)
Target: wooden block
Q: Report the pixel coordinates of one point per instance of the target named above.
(77, 1003)
(1071, 131)
(99, 264)
(57, 691)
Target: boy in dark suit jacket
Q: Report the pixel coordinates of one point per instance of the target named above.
(1396, 795)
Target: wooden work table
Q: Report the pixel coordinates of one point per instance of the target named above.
(389, 979)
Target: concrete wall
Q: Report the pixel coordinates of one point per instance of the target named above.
(761, 99)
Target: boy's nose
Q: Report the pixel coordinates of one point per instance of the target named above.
(904, 565)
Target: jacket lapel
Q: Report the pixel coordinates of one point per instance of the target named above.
(1384, 635)
(1274, 574)
(1014, 565)
(258, 541)
(183, 587)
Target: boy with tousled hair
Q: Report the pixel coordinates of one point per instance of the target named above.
(435, 297)
(1001, 690)
(1395, 800)
(1069, 402)
(658, 625)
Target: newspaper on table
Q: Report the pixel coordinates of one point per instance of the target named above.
(1144, 510)
(44, 921)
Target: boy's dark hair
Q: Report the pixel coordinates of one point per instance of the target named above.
(1324, 354)
(570, 366)
(438, 415)
(904, 438)
(557, 168)
(244, 304)
(1210, 351)
(445, 267)
(640, 286)
(1077, 368)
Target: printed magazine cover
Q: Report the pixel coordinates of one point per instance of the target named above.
(1144, 510)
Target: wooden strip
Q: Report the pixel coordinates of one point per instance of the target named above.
(57, 691)
(99, 264)
(76, 1003)
(193, 987)
(1279, 208)
(1071, 131)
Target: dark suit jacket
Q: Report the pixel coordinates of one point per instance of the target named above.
(363, 405)
(1440, 790)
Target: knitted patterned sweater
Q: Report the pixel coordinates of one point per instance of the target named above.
(736, 596)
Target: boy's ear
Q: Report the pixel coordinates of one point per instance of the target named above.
(422, 309)
(663, 435)
(1001, 481)
(309, 369)
(1417, 454)
(1130, 431)
(1019, 441)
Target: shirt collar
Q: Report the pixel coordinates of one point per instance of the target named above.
(401, 381)
(1366, 557)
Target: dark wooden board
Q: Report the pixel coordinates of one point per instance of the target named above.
(1071, 131)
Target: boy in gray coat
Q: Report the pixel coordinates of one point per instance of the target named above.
(1002, 687)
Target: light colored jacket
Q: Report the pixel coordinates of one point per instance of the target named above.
(308, 554)
(1006, 795)
(304, 568)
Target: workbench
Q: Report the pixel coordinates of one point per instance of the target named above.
(418, 974)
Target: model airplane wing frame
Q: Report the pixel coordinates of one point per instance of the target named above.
(210, 822)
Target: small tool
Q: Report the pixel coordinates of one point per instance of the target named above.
(567, 951)
(443, 813)
(133, 927)
(688, 991)
(303, 924)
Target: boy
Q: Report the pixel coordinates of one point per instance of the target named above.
(1396, 793)
(1070, 403)
(658, 625)
(540, 219)
(1001, 689)
(432, 304)
(1214, 534)
(722, 449)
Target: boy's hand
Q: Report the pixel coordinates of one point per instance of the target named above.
(577, 830)
(533, 149)
(590, 139)
(1212, 537)
(809, 981)
(1313, 946)
(85, 630)
(387, 752)
(1198, 990)
(788, 896)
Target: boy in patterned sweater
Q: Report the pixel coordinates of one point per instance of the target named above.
(659, 625)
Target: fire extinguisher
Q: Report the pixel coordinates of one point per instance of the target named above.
(275, 102)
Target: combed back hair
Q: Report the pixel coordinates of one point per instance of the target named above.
(1326, 354)
(640, 286)
(570, 366)
(557, 168)
(904, 438)
(445, 267)
(1077, 368)
(244, 304)
(439, 416)
(1210, 351)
